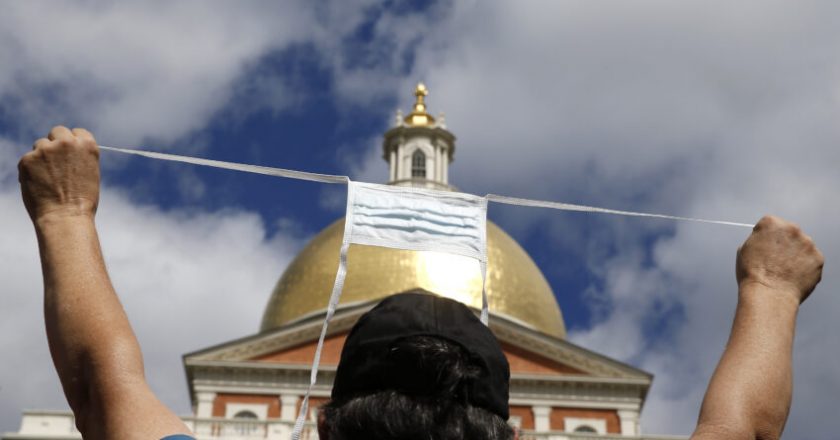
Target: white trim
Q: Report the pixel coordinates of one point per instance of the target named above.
(604, 403)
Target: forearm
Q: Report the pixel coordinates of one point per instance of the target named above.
(750, 392)
(90, 339)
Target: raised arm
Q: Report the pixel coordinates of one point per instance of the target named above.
(93, 347)
(750, 392)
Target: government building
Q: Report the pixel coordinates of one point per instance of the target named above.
(252, 387)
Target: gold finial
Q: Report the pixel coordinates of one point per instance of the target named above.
(418, 116)
(420, 92)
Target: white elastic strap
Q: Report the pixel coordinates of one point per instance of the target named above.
(583, 208)
(485, 306)
(257, 169)
(334, 298)
(329, 178)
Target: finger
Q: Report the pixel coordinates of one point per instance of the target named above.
(85, 137)
(59, 131)
(42, 142)
(23, 164)
(82, 133)
(761, 223)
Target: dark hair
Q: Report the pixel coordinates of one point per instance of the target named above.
(440, 412)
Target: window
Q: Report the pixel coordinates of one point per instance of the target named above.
(588, 424)
(418, 164)
(585, 428)
(245, 415)
(246, 427)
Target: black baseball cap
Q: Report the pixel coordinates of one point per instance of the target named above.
(367, 364)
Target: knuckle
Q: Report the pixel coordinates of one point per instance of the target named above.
(25, 161)
(40, 143)
(58, 130)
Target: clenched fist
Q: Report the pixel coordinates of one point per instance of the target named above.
(60, 176)
(778, 255)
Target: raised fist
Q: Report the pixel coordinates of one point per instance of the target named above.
(779, 256)
(60, 176)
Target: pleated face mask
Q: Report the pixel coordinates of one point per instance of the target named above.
(415, 219)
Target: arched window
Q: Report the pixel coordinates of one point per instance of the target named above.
(585, 428)
(418, 164)
(245, 414)
(246, 428)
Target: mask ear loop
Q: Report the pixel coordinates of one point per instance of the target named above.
(334, 297)
(482, 262)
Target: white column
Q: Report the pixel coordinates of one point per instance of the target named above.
(204, 410)
(445, 164)
(542, 420)
(442, 164)
(288, 407)
(430, 167)
(204, 407)
(438, 158)
(393, 165)
(629, 421)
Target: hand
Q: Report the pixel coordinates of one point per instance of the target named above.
(779, 256)
(60, 176)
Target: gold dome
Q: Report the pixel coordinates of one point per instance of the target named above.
(515, 286)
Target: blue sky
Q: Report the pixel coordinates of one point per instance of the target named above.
(706, 109)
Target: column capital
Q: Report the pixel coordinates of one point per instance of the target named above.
(205, 396)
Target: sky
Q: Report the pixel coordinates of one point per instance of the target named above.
(715, 109)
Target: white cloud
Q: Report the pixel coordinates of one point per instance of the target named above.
(187, 280)
(135, 71)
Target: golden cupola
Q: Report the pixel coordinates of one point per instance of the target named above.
(419, 148)
(418, 151)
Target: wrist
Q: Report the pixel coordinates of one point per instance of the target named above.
(62, 218)
(779, 294)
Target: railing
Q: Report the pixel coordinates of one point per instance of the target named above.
(247, 429)
(59, 425)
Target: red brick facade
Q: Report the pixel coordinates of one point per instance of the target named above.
(521, 361)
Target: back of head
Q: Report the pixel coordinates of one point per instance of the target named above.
(419, 366)
(441, 411)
